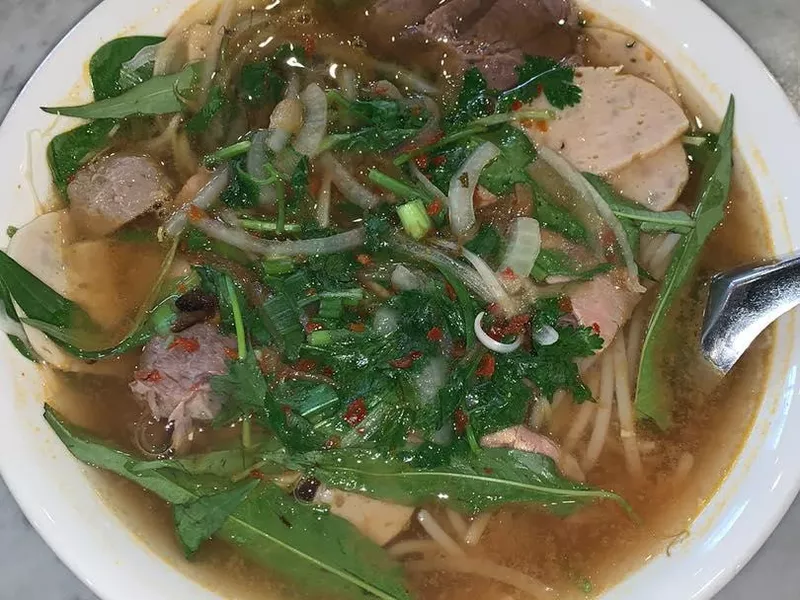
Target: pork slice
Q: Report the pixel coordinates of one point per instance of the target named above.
(655, 181)
(620, 118)
(495, 36)
(378, 520)
(604, 302)
(174, 374)
(394, 15)
(114, 190)
(521, 438)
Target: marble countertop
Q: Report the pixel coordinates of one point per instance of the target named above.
(30, 28)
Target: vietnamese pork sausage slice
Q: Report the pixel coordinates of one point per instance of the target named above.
(114, 190)
(655, 181)
(620, 118)
(378, 520)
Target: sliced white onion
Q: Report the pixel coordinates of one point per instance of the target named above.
(466, 275)
(431, 378)
(546, 336)
(492, 282)
(207, 195)
(407, 78)
(405, 279)
(386, 320)
(491, 343)
(244, 241)
(590, 196)
(352, 189)
(315, 120)
(461, 211)
(218, 32)
(523, 247)
(324, 200)
(256, 167)
(426, 183)
(429, 132)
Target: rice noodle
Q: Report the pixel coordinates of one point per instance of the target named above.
(323, 210)
(603, 413)
(570, 468)
(315, 120)
(200, 12)
(406, 547)
(579, 425)
(633, 343)
(439, 535)
(633, 461)
(183, 156)
(226, 12)
(682, 470)
(458, 523)
(590, 196)
(659, 262)
(487, 569)
(477, 528)
(166, 138)
(352, 189)
(207, 195)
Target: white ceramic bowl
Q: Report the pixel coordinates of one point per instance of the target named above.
(56, 493)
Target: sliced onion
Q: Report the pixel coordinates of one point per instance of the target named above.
(407, 78)
(315, 120)
(485, 272)
(461, 212)
(244, 241)
(349, 186)
(491, 343)
(405, 279)
(324, 200)
(426, 183)
(386, 320)
(590, 196)
(437, 258)
(256, 167)
(546, 336)
(523, 247)
(207, 195)
(430, 131)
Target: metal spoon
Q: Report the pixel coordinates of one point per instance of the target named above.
(742, 303)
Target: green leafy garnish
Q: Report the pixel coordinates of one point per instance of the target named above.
(552, 263)
(69, 151)
(653, 400)
(542, 75)
(215, 103)
(107, 66)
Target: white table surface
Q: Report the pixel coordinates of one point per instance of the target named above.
(30, 28)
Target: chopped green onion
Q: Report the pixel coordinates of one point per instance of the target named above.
(395, 186)
(227, 152)
(282, 265)
(331, 309)
(325, 337)
(415, 219)
(268, 226)
(280, 190)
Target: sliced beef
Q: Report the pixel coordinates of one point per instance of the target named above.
(394, 15)
(114, 190)
(620, 118)
(521, 438)
(378, 520)
(494, 35)
(174, 375)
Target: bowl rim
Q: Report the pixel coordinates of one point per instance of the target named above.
(52, 490)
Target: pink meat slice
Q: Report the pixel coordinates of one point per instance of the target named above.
(521, 438)
(174, 375)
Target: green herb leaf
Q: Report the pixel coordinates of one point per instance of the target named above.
(475, 100)
(269, 526)
(260, 84)
(69, 151)
(553, 217)
(510, 167)
(198, 520)
(107, 62)
(470, 484)
(555, 263)
(242, 388)
(487, 243)
(215, 103)
(156, 96)
(653, 397)
(541, 74)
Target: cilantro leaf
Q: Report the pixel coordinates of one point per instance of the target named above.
(510, 167)
(542, 75)
(475, 100)
(243, 389)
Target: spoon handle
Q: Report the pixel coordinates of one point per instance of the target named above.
(742, 303)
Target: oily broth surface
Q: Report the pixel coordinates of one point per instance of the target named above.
(599, 543)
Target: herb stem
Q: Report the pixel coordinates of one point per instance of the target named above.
(280, 190)
(395, 186)
(238, 322)
(227, 152)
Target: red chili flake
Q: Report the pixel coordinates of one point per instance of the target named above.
(258, 475)
(196, 213)
(516, 324)
(494, 309)
(314, 183)
(508, 273)
(460, 421)
(516, 105)
(287, 410)
(450, 291)
(305, 365)
(596, 328)
(312, 326)
(565, 304)
(186, 344)
(539, 89)
(486, 366)
(332, 442)
(488, 470)
(309, 44)
(528, 123)
(361, 430)
(435, 334)
(542, 126)
(459, 349)
(364, 259)
(357, 327)
(327, 371)
(406, 361)
(434, 208)
(231, 353)
(356, 412)
(153, 376)
(182, 288)
(422, 161)
(438, 161)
